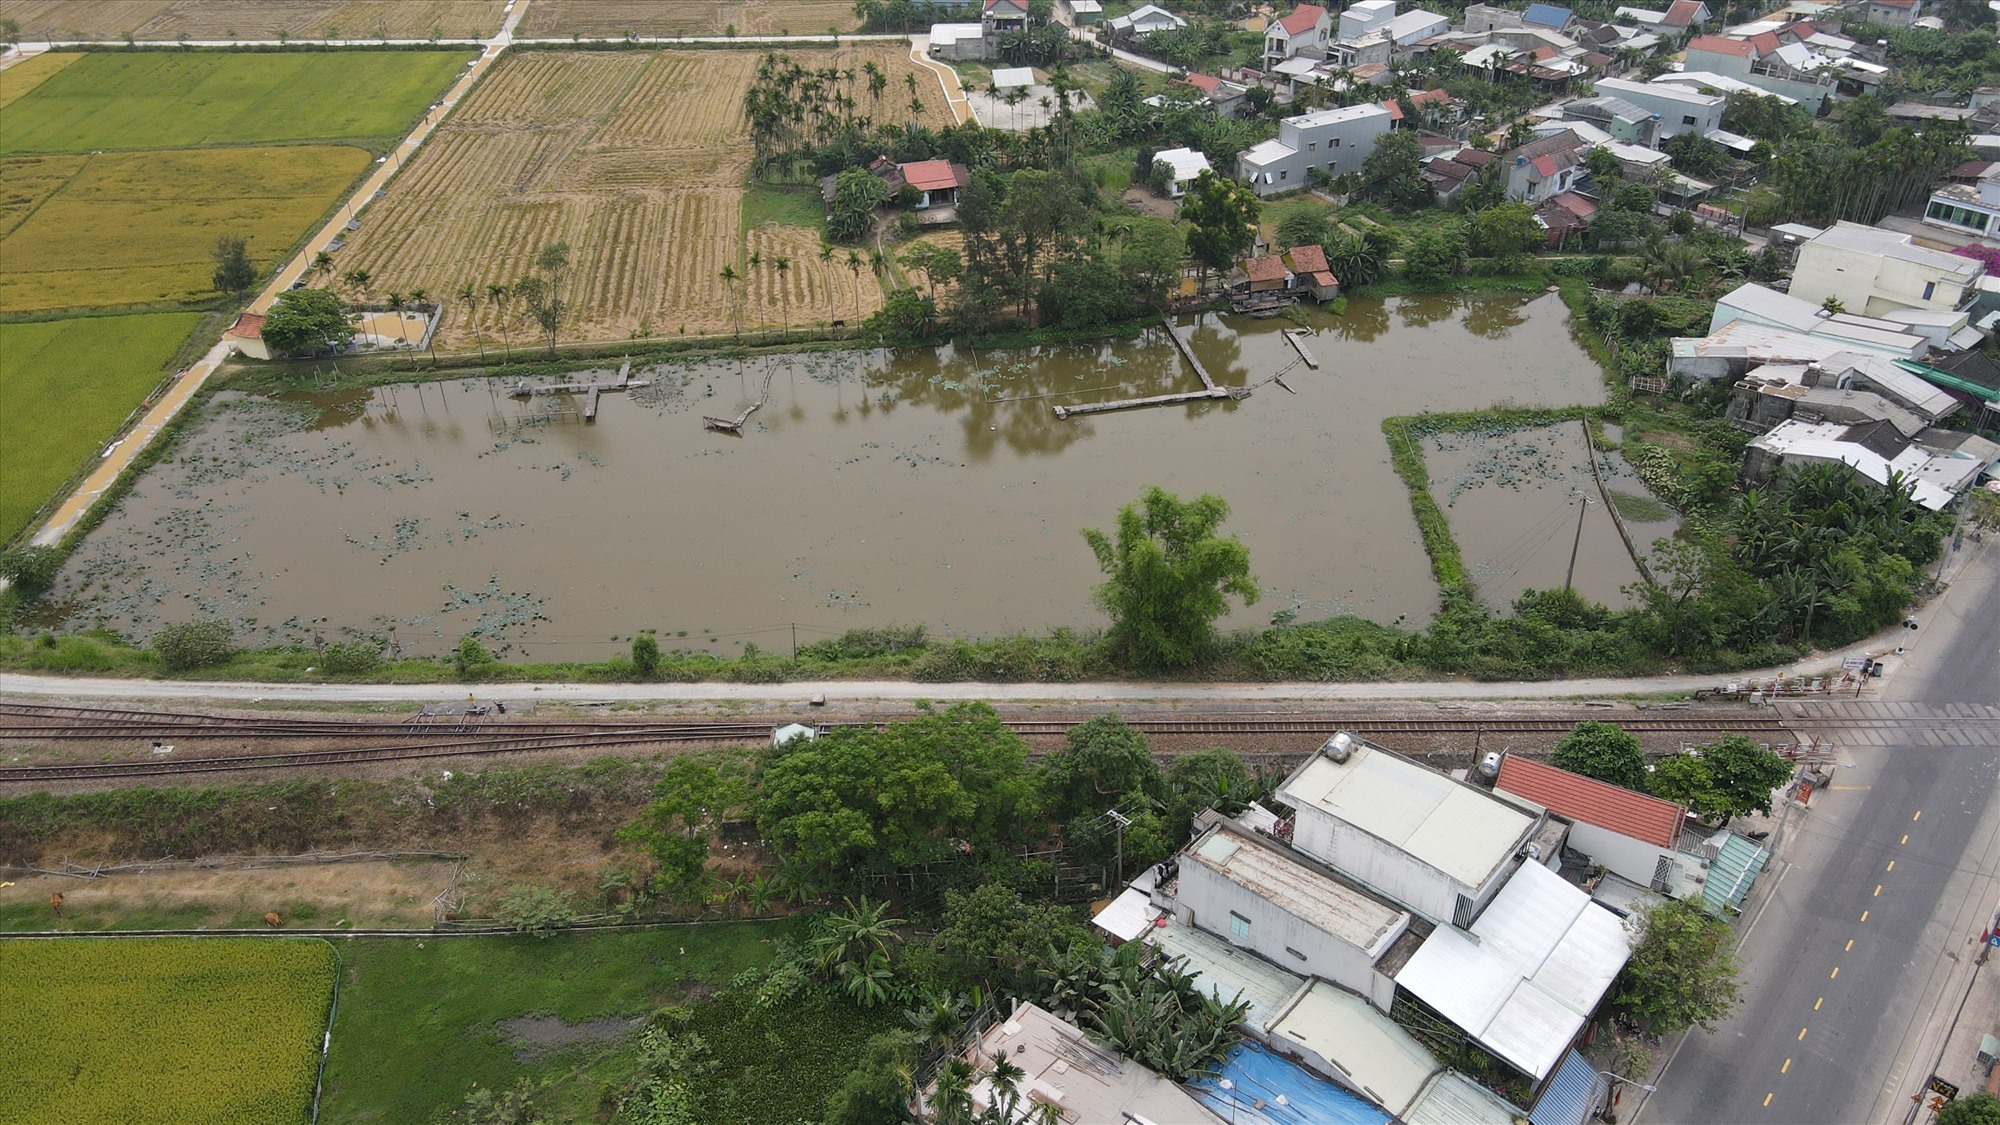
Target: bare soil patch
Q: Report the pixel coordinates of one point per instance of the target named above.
(548, 18)
(361, 895)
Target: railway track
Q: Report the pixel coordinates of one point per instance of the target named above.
(407, 741)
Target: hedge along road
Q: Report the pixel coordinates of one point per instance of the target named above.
(855, 691)
(190, 381)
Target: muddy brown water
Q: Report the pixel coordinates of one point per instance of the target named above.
(1512, 500)
(874, 488)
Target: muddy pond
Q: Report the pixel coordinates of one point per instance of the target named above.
(873, 488)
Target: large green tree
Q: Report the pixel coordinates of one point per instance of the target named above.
(948, 788)
(1222, 220)
(1729, 777)
(233, 271)
(1168, 577)
(1100, 763)
(1394, 170)
(1682, 972)
(856, 194)
(306, 321)
(1604, 751)
(1977, 1109)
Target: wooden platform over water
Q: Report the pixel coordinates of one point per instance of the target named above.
(1298, 338)
(590, 391)
(1209, 388)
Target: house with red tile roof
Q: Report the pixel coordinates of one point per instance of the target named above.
(1625, 832)
(1305, 31)
(1685, 14)
(937, 182)
(1311, 273)
(1265, 274)
(247, 336)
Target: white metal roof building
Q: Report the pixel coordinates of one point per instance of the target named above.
(1226, 972)
(1437, 846)
(1084, 1081)
(1013, 77)
(1527, 976)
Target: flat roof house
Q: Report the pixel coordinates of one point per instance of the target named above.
(1333, 141)
(1874, 271)
(1436, 846)
(1681, 110)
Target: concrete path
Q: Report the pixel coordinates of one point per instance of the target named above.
(121, 453)
(865, 691)
(954, 94)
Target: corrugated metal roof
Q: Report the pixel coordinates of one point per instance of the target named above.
(1731, 875)
(1335, 909)
(1128, 915)
(1612, 807)
(1527, 977)
(1569, 1096)
(1454, 1099)
(1371, 1052)
(1225, 971)
(1456, 829)
(1268, 1090)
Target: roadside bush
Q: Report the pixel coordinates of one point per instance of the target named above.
(859, 644)
(350, 658)
(540, 911)
(196, 644)
(1340, 648)
(31, 570)
(646, 656)
(470, 656)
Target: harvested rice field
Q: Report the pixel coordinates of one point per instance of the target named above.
(686, 17)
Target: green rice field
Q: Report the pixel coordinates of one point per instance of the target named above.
(169, 1029)
(65, 385)
(157, 99)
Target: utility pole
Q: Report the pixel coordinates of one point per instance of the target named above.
(1121, 820)
(1569, 581)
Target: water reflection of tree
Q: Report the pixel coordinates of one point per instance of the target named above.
(1494, 319)
(1365, 319)
(1422, 312)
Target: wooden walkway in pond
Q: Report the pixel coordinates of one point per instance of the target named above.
(589, 391)
(1298, 338)
(1209, 388)
(735, 425)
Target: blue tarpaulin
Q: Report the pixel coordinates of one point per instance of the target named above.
(1570, 1094)
(1268, 1090)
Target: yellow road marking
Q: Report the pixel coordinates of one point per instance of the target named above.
(1919, 815)
(1818, 1002)
(1767, 1099)
(1802, 1035)
(1878, 891)
(1891, 867)
(1835, 974)
(1787, 1068)
(1905, 839)
(1864, 916)
(1850, 946)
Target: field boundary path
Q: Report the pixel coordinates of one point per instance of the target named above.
(954, 93)
(127, 448)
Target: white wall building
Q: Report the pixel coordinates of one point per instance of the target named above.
(1306, 31)
(1874, 271)
(1974, 208)
(1334, 141)
(1437, 847)
(1681, 110)
(1186, 163)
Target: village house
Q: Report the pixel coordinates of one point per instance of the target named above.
(1617, 118)
(1680, 110)
(1003, 16)
(1079, 13)
(1439, 848)
(1544, 167)
(1450, 175)
(1068, 1070)
(1678, 17)
(1143, 20)
(1874, 271)
(1186, 164)
(1373, 33)
(1565, 216)
(1935, 465)
(1895, 13)
(1762, 305)
(1626, 832)
(957, 42)
(1972, 207)
(937, 182)
(1332, 141)
(1306, 32)
(1224, 97)
(1765, 63)
(1311, 273)
(246, 336)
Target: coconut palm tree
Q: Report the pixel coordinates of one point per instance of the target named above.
(729, 276)
(469, 293)
(854, 267)
(783, 265)
(498, 294)
(396, 302)
(419, 297)
(826, 259)
(322, 264)
(359, 280)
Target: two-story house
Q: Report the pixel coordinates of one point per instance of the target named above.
(1681, 110)
(1333, 141)
(1544, 167)
(1874, 272)
(1793, 70)
(1304, 32)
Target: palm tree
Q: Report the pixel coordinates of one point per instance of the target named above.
(498, 294)
(396, 302)
(729, 276)
(469, 293)
(322, 264)
(420, 297)
(359, 279)
(826, 259)
(783, 265)
(854, 267)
